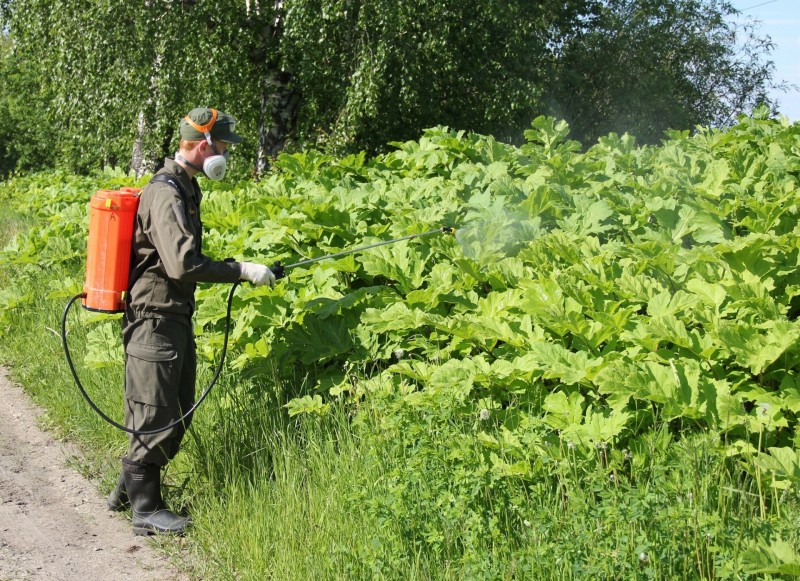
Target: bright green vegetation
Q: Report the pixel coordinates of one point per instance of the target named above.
(597, 377)
(84, 89)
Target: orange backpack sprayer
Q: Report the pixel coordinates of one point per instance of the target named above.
(108, 255)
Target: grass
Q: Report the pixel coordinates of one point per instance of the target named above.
(394, 491)
(291, 521)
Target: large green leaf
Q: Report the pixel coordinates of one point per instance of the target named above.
(757, 347)
(400, 264)
(782, 464)
(777, 557)
(315, 339)
(552, 361)
(104, 346)
(680, 389)
(563, 411)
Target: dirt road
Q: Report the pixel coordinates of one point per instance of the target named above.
(54, 525)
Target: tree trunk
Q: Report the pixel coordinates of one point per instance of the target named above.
(279, 105)
(142, 160)
(137, 157)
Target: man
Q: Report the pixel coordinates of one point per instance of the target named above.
(160, 361)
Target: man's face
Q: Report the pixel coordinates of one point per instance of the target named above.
(215, 148)
(222, 147)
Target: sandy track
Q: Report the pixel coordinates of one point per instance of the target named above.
(54, 525)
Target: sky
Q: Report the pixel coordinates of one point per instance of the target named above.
(780, 20)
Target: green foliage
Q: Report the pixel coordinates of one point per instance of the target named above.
(92, 77)
(597, 376)
(100, 84)
(22, 143)
(479, 67)
(642, 67)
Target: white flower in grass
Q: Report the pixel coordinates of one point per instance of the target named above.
(483, 415)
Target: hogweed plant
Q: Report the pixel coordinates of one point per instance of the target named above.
(596, 377)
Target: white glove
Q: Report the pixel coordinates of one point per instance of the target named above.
(258, 274)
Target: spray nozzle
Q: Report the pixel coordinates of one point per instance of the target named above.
(448, 230)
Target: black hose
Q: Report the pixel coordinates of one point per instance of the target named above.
(171, 424)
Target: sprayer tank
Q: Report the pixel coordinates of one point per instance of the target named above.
(108, 256)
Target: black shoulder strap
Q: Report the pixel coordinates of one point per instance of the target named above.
(166, 179)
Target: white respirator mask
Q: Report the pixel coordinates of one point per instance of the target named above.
(216, 165)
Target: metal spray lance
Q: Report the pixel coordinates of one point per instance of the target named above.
(280, 270)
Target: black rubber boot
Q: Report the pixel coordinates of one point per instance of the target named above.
(150, 515)
(118, 499)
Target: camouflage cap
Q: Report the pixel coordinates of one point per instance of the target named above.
(220, 125)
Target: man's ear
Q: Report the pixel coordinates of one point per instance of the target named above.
(202, 146)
